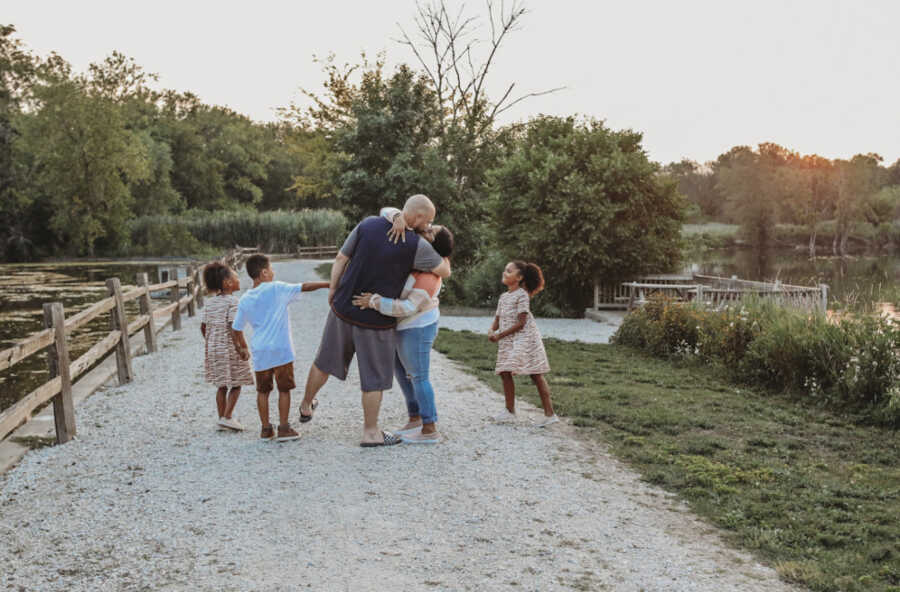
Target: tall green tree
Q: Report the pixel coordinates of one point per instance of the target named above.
(698, 184)
(857, 181)
(17, 72)
(84, 159)
(754, 186)
(584, 202)
(810, 192)
(387, 143)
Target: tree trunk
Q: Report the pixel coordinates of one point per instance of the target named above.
(812, 244)
(834, 242)
(844, 243)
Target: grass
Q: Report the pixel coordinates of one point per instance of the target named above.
(35, 442)
(809, 492)
(324, 270)
(710, 228)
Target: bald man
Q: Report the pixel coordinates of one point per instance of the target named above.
(369, 262)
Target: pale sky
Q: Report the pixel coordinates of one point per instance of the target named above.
(696, 77)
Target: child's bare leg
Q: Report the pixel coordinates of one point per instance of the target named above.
(220, 400)
(262, 404)
(509, 391)
(231, 401)
(284, 406)
(543, 390)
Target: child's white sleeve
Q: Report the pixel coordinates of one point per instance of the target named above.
(290, 292)
(389, 213)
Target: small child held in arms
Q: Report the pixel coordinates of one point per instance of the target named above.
(520, 348)
(265, 308)
(224, 366)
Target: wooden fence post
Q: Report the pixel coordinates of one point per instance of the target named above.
(173, 297)
(147, 309)
(191, 278)
(200, 287)
(119, 322)
(824, 288)
(630, 296)
(700, 294)
(58, 356)
(596, 294)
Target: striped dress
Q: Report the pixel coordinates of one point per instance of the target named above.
(523, 351)
(223, 366)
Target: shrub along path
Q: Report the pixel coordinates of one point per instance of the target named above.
(149, 496)
(809, 492)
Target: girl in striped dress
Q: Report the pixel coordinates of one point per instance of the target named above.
(225, 367)
(520, 348)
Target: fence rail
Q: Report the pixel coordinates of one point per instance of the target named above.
(315, 252)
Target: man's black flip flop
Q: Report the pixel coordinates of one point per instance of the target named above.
(305, 418)
(388, 439)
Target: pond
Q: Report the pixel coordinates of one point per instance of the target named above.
(858, 282)
(24, 288)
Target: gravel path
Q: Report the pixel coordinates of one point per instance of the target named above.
(150, 497)
(584, 330)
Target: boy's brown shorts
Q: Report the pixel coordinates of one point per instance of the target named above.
(283, 377)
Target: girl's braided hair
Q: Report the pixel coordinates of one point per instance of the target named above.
(214, 276)
(532, 277)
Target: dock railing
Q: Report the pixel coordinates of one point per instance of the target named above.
(709, 290)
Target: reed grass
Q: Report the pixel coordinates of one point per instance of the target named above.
(276, 231)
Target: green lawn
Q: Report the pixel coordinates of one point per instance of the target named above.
(809, 493)
(324, 270)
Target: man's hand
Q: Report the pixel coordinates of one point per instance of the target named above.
(363, 300)
(398, 230)
(493, 337)
(243, 353)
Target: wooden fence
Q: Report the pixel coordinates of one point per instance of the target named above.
(54, 337)
(317, 252)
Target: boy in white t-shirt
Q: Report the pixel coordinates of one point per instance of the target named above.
(264, 307)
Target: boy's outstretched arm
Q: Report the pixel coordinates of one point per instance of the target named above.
(310, 286)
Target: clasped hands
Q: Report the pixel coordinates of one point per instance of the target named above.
(362, 300)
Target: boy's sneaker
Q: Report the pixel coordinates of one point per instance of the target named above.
(231, 424)
(546, 421)
(420, 438)
(286, 433)
(504, 417)
(219, 426)
(267, 433)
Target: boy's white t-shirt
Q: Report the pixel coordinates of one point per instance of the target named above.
(265, 308)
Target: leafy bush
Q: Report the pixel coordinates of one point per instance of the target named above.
(852, 363)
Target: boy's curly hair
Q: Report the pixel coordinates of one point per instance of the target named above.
(214, 275)
(532, 277)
